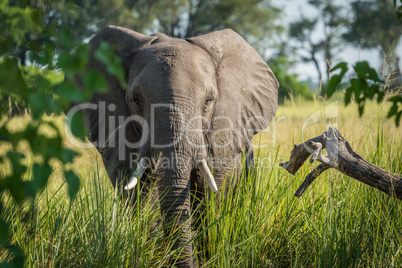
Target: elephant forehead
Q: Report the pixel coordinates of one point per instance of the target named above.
(181, 67)
(175, 57)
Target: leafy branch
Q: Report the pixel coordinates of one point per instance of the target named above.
(30, 169)
(365, 85)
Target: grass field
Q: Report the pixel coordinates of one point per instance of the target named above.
(338, 222)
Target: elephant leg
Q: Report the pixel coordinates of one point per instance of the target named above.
(249, 161)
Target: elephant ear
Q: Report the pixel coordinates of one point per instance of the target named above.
(108, 110)
(247, 88)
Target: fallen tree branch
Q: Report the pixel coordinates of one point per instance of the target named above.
(342, 158)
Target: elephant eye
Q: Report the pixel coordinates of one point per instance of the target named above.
(208, 101)
(137, 101)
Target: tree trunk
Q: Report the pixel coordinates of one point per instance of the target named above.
(344, 159)
(317, 67)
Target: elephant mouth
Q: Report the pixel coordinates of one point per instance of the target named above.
(143, 164)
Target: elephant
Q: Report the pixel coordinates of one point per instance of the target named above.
(190, 106)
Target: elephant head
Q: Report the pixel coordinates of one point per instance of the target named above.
(191, 102)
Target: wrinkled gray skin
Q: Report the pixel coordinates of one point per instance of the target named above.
(217, 76)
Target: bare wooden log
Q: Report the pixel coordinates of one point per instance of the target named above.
(344, 159)
(311, 177)
(299, 155)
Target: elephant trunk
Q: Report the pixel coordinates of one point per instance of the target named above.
(174, 195)
(174, 164)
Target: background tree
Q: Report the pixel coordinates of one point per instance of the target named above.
(302, 31)
(281, 64)
(375, 25)
(255, 20)
(331, 23)
(366, 83)
(77, 20)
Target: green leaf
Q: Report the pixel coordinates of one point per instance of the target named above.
(4, 232)
(94, 82)
(41, 54)
(336, 79)
(393, 110)
(68, 92)
(77, 126)
(342, 65)
(75, 62)
(36, 17)
(112, 62)
(361, 68)
(397, 98)
(4, 134)
(11, 79)
(398, 118)
(361, 108)
(14, 183)
(51, 147)
(364, 71)
(381, 95)
(396, 101)
(65, 35)
(18, 256)
(372, 90)
(372, 74)
(41, 174)
(333, 83)
(357, 85)
(68, 155)
(46, 147)
(39, 104)
(348, 95)
(73, 183)
(7, 43)
(44, 85)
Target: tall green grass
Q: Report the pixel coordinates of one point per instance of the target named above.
(338, 222)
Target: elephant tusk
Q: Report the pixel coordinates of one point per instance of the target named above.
(202, 166)
(141, 167)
